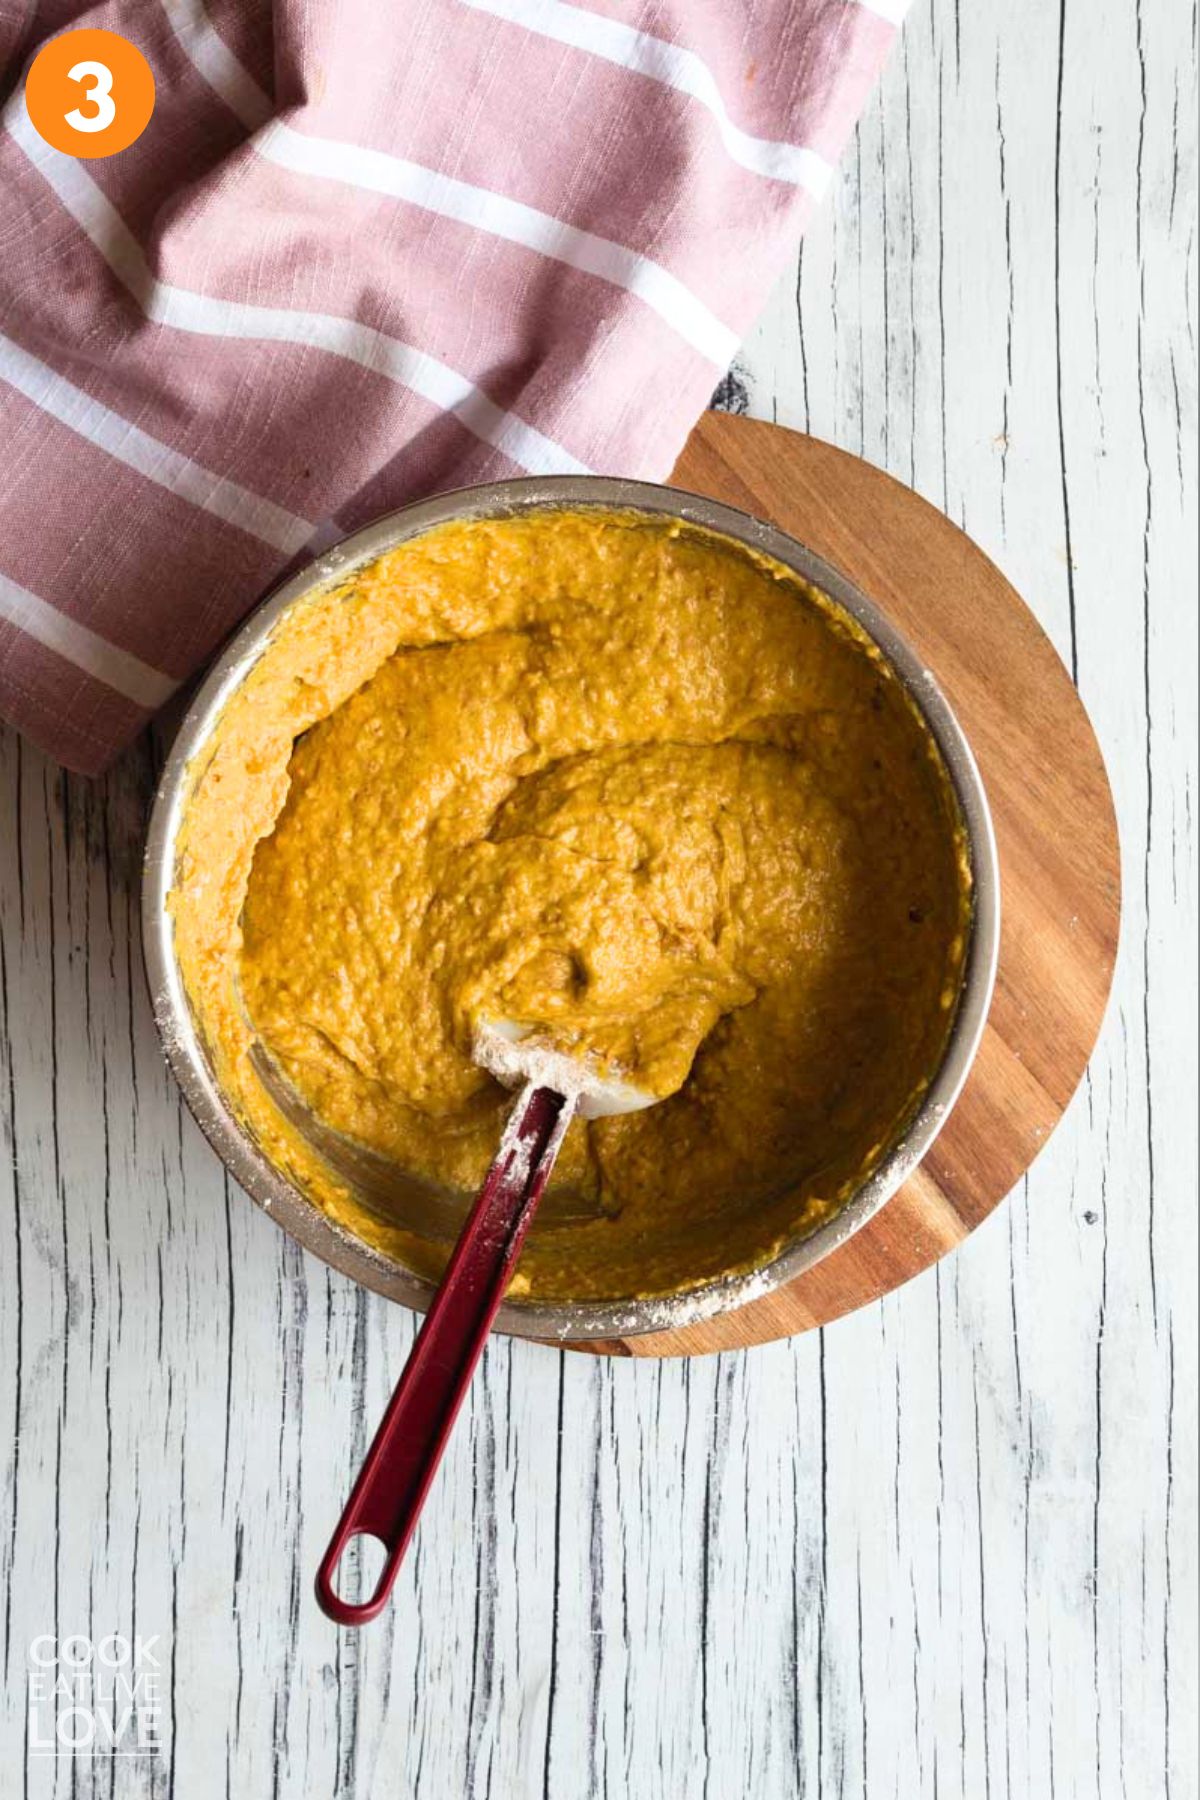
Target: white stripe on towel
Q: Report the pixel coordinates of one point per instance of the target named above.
(673, 66)
(128, 443)
(117, 669)
(484, 210)
(208, 52)
(185, 310)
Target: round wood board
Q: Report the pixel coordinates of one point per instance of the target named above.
(1055, 829)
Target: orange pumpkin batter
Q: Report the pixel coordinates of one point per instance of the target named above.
(624, 781)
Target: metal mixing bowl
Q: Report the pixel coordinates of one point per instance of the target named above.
(186, 1053)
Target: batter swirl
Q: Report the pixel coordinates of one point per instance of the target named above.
(627, 782)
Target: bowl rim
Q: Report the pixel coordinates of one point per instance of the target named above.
(302, 1218)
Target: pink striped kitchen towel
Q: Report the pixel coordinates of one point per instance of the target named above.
(363, 252)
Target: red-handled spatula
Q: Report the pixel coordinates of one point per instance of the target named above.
(408, 1445)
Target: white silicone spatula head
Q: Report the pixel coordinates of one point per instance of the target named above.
(514, 1055)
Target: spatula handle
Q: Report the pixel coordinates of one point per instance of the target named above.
(408, 1445)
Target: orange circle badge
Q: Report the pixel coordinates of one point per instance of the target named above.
(89, 93)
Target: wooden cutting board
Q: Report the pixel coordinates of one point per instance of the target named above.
(1055, 829)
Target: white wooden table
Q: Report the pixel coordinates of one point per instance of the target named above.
(944, 1548)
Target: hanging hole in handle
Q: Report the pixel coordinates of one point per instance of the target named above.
(363, 1561)
(355, 1587)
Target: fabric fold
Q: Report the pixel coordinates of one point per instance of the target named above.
(357, 256)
